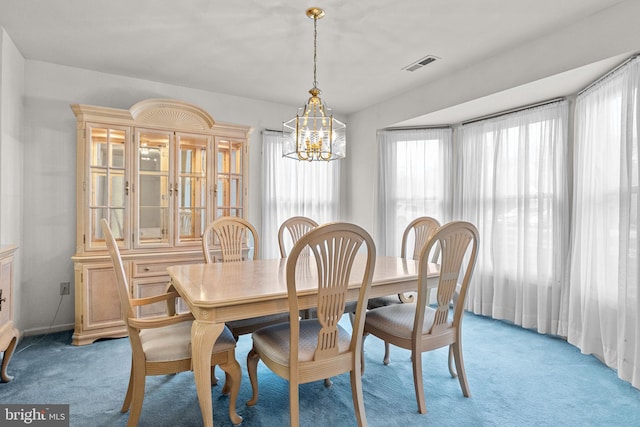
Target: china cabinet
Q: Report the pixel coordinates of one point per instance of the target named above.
(8, 333)
(159, 172)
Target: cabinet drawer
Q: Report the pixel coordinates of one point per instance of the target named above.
(155, 268)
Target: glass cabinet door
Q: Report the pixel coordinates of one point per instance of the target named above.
(108, 185)
(190, 189)
(229, 197)
(154, 190)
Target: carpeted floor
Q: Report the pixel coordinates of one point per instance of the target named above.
(517, 378)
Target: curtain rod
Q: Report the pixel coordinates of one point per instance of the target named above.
(513, 110)
(418, 127)
(613, 70)
(271, 130)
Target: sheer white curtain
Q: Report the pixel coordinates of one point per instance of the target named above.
(603, 310)
(414, 180)
(292, 188)
(511, 182)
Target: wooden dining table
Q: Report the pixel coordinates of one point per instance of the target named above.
(220, 292)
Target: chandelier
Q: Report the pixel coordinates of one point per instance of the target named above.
(313, 134)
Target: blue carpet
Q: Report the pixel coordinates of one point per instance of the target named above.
(517, 378)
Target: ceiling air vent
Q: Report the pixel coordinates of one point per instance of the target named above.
(420, 63)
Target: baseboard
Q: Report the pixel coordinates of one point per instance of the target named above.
(47, 330)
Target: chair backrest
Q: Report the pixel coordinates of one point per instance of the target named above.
(297, 227)
(422, 228)
(121, 278)
(454, 239)
(231, 232)
(334, 247)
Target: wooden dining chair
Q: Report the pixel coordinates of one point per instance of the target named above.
(306, 350)
(234, 235)
(296, 226)
(162, 345)
(420, 229)
(418, 327)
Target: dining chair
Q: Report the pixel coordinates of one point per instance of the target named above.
(297, 226)
(162, 345)
(233, 234)
(306, 350)
(420, 328)
(420, 229)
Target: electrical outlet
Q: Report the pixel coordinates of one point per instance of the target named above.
(65, 288)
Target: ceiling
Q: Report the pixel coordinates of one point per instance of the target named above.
(264, 50)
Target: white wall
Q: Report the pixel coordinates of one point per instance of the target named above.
(49, 172)
(613, 32)
(11, 115)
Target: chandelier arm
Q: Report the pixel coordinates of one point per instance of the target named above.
(327, 157)
(301, 157)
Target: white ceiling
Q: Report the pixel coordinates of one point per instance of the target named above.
(264, 50)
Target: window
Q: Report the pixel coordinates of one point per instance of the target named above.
(602, 312)
(512, 184)
(414, 181)
(294, 188)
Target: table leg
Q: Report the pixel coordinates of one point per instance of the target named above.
(203, 336)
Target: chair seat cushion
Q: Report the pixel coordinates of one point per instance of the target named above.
(397, 319)
(273, 341)
(312, 313)
(383, 301)
(247, 326)
(173, 342)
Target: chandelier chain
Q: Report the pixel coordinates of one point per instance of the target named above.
(315, 57)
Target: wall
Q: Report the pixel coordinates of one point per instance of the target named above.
(49, 174)
(11, 115)
(612, 32)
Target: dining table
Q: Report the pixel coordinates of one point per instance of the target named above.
(216, 293)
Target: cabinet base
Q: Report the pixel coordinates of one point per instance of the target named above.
(84, 338)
